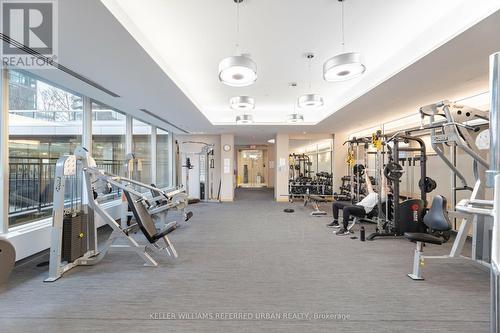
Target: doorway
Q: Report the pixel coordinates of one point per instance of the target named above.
(252, 168)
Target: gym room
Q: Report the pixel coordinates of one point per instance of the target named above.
(250, 166)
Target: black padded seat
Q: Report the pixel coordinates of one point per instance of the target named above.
(144, 220)
(156, 193)
(424, 238)
(436, 219)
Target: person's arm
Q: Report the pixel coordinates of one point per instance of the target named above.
(385, 189)
(368, 182)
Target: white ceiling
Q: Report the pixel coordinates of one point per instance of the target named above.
(188, 38)
(105, 52)
(94, 44)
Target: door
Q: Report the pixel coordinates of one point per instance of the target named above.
(252, 168)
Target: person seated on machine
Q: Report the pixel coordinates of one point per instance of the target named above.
(361, 209)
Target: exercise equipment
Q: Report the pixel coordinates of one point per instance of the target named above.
(406, 214)
(428, 184)
(201, 154)
(450, 126)
(314, 200)
(439, 226)
(491, 208)
(7, 259)
(67, 172)
(393, 171)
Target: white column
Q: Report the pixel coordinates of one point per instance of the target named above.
(128, 134)
(281, 168)
(271, 165)
(87, 124)
(227, 167)
(86, 138)
(171, 160)
(4, 151)
(153, 155)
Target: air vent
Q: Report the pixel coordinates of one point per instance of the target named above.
(54, 64)
(161, 119)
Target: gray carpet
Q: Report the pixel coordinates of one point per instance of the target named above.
(251, 257)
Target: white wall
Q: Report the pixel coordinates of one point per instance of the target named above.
(227, 166)
(271, 165)
(281, 168)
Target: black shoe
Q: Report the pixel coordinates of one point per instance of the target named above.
(334, 224)
(342, 232)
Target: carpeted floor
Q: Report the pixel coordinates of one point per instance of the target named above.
(249, 267)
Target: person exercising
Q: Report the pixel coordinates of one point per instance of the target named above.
(361, 209)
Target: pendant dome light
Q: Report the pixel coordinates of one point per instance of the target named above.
(344, 66)
(244, 119)
(295, 117)
(309, 100)
(238, 70)
(242, 103)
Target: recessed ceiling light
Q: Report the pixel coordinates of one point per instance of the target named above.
(242, 103)
(271, 141)
(244, 119)
(310, 101)
(295, 118)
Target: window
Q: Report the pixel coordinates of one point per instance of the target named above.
(325, 161)
(45, 122)
(108, 142)
(162, 157)
(314, 163)
(141, 147)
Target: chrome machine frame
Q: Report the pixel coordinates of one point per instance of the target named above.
(455, 131)
(206, 162)
(492, 207)
(66, 166)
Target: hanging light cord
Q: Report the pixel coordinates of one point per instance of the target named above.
(237, 27)
(310, 78)
(342, 23)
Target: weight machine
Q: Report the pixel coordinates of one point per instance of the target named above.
(454, 131)
(75, 243)
(352, 184)
(457, 132)
(407, 214)
(206, 167)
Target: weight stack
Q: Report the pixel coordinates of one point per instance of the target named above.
(74, 244)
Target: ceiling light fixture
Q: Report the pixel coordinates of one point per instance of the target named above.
(244, 119)
(238, 70)
(309, 100)
(242, 103)
(295, 118)
(344, 66)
